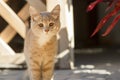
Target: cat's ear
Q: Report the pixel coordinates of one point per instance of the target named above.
(33, 13)
(56, 11)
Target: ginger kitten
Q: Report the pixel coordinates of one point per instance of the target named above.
(41, 43)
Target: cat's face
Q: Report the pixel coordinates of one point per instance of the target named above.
(47, 23)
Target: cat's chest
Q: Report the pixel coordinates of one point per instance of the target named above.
(44, 38)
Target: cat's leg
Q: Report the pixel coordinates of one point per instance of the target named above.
(34, 70)
(47, 70)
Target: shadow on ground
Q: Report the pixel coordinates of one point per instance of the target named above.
(104, 65)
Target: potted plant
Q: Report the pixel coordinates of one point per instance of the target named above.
(114, 12)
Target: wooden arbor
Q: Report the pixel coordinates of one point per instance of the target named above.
(18, 22)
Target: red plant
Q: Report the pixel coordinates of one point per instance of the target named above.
(116, 5)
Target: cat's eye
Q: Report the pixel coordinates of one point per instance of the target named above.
(51, 24)
(41, 24)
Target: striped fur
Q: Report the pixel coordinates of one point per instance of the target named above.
(40, 44)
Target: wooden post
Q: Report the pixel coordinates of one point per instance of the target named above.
(70, 28)
(66, 41)
(38, 4)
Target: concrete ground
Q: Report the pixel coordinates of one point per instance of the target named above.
(97, 66)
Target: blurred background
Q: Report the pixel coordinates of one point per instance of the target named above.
(77, 50)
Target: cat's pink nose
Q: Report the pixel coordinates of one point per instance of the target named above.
(46, 30)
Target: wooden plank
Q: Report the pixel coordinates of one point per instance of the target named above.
(8, 30)
(38, 4)
(4, 34)
(5, 49)
(5, 0)
(13, 61)
(23, 14)
(9, 15)
(11, 66)
(18, 58)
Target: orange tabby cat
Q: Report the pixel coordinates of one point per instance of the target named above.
(41, 43)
